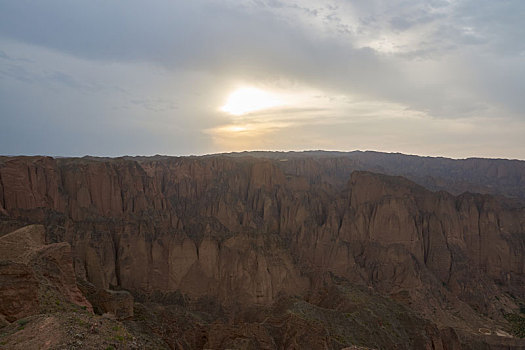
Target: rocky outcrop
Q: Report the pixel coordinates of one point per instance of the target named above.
(30, 267)
(18, 291)
(117, 303)
(53, 263)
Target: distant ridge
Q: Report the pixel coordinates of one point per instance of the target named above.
(504, 177)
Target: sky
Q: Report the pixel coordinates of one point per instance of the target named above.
(127, 77)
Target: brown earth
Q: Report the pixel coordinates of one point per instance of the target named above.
(73, 330)
(249, 232)
(29, 268)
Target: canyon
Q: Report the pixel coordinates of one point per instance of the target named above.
(253, 250)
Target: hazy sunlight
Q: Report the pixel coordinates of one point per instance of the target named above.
(248, 99)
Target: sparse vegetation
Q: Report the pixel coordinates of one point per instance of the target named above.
(518, 324)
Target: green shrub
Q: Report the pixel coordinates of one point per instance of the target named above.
(119, 338)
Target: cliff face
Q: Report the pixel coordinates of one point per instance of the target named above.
(248, 230)
(489, 176)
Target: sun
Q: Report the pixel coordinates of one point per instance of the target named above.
(249, 99)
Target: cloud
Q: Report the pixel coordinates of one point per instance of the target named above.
(166, 66)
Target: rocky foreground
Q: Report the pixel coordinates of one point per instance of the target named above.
(313, 250)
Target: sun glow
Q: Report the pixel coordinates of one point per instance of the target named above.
(248, 99)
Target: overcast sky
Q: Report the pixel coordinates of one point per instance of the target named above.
(192, 77)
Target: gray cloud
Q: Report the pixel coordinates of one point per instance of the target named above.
(165, 66)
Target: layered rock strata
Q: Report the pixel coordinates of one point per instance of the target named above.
(248, 230)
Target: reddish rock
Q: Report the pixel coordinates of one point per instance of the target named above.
(29, 183)
(118, 303)
(55, 264)
(247, 230)
(28, 263)
(18, 291)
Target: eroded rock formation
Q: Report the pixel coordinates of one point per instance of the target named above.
(29, 268)
(247, 230)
